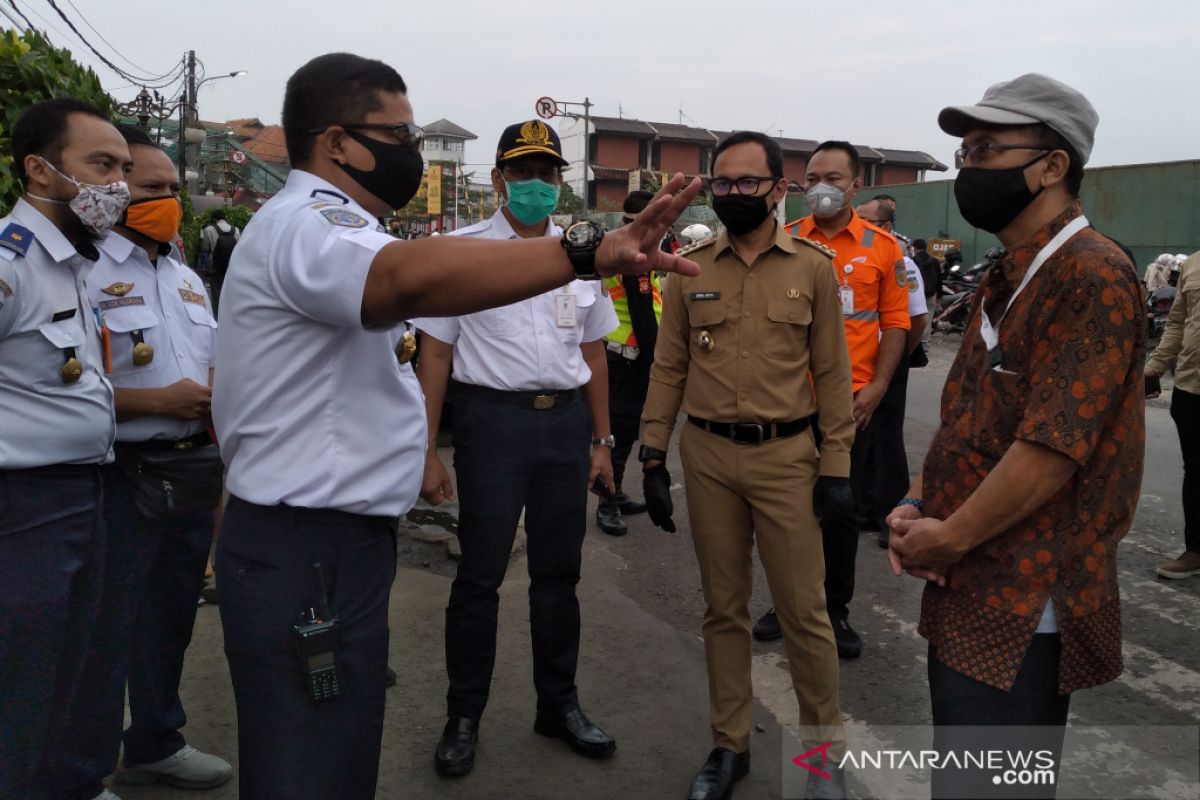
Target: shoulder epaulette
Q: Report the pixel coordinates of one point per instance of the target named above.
(817, 246)
(694, 246)
(16, 238)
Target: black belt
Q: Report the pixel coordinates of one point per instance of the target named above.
(540, 400)
(751, 432)
(198, 440)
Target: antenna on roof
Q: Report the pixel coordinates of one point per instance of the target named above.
(683, 116)
(620, 110)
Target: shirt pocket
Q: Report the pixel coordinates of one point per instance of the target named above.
(123, 326)
(584, 300)
(499, 323)
(707, 318)
(200, 338)
(787, 328)
(52, 350)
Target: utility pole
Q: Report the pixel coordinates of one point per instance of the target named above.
(189, 101)
(587, 150)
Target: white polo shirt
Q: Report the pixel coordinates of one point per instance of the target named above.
(523, 346)
(168, 308)
(311, 409)
(917, 304)
(45, 318)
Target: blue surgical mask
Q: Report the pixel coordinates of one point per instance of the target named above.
(531, 201)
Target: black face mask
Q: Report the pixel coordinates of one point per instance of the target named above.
(397, 174)
(992, 198)
(741, 213)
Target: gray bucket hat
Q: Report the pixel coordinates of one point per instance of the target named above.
(1028, 100)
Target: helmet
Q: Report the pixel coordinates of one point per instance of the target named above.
(695, 233)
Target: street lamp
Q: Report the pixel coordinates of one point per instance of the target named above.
(235, 74)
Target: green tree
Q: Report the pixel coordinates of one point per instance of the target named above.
(32, 70)
(569, 202)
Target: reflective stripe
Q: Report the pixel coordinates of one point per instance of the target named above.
(864, 316)
(868, 237)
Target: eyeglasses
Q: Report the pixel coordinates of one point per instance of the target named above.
(978, 153)
(405, 133)
(745, 185)
(525, 172)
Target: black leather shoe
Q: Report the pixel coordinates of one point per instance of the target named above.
(390, 680)
(884, 538)
(849, 643)
(720, 772)
(628, 505)
(608, 517)
(767, 628)
(455, 754)
(584, 736)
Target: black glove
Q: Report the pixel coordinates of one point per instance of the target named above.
(833, 499)
(1152, 385)
(656, 488)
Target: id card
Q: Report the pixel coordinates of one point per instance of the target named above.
(565, 305)
(846, 293)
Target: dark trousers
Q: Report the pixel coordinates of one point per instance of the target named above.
(153, 573)
(290, 747)
(505, 459)
(1185, 410)
(51, 569)
(628, 383)
(1032, 716)
(840, 536)
(886, 479)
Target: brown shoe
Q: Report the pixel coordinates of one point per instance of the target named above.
(1185, 566)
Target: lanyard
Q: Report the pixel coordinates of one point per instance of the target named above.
(990, 333)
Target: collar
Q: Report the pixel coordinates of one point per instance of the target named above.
(783, 240)
(308, 185)
(1014, 264)
(504, 229)
(808, 228)
(122, 250)
(45, 232)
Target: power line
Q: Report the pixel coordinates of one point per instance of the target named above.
(106, 41)
(149, 83)
(20, 13)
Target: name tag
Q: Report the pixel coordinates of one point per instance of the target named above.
(846, 293)
(191, 297)
(705, 295)
(565, 305)
(120, 302)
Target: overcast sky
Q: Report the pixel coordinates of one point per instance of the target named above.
(876, 74)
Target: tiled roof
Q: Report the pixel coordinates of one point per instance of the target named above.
(671, 132)
(624, 127)
(268, 144)
(913, 158)
(444, 127)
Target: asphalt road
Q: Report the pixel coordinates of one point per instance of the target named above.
(642, 674)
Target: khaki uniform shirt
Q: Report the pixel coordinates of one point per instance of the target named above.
(1179, 350)
(759, 343)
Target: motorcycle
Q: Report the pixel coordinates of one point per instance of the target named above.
(958, 290)
(1158, 306)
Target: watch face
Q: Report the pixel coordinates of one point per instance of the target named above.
(581, 234)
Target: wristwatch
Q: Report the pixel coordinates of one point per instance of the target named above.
(647, 453)
(581, 241)
(609, 441)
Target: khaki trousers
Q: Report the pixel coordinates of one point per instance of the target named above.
(738, 496)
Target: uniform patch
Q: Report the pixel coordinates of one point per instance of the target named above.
(705, 295)
(901, 273)
(192, 297)
(817, 246)
(16, 238)
(118, 289)
(912, 284)
(344, 218)
(5, 289)
(121, 302)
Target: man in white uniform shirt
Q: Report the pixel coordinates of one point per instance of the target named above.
(320, 417)
(161, 337)
(530, 382)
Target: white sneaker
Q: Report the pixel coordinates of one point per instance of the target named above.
(106, 795)
(187, 769)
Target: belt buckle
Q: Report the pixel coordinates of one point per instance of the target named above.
(544, 402)
(184, 444)
(735, 433)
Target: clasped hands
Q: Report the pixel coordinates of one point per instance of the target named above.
(923, 547)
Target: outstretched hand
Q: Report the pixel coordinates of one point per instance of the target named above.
(633, 249)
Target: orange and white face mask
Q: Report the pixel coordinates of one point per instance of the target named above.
(155, 217)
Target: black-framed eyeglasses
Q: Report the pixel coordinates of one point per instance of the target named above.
(748, 184)
(517, 171)
(977, 153)
(404, 132)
